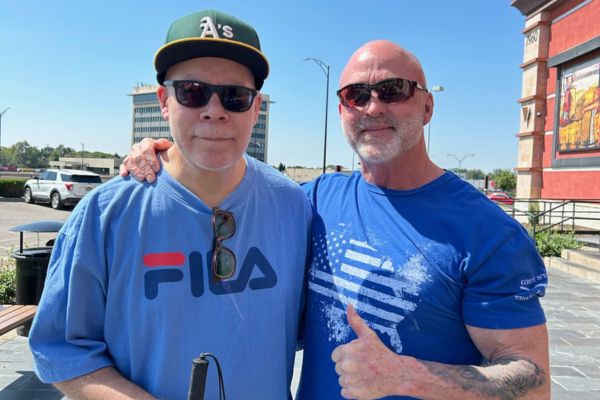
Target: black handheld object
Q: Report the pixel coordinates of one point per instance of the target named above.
(198, 377)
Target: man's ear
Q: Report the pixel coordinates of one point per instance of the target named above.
(256, 107)
(428, 109)
(162, 95)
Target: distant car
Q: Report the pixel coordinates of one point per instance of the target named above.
(60, 187)
(501, 197)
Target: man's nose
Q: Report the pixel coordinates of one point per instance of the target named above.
(375, 107)
(214, 109)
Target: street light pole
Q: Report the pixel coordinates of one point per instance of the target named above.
(325, 69)
(2, 115)
(82, 148)
(436, 88)
(460, 160)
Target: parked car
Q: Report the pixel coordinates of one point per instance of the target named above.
(60, 187)
(501, 197)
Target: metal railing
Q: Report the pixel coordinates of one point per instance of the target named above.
(582, 217)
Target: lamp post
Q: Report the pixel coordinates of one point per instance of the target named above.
(82, 148)
(2, 115)
(460, 160)
(436, 88)
(325, 69)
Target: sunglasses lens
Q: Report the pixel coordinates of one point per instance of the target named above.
(192, 94)
(355, 95)
(394, 90)
(223, 225)
(236, 99)
(223, 262)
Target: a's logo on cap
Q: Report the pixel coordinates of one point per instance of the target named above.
(209, 29)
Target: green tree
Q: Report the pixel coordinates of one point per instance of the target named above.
(281, 167)
(24, 155)
(60, 151)
(475, 174)
(469, 173)
(505, 179)
(3, 155)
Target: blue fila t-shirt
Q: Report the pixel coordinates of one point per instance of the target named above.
(417, 265)
(129, 285)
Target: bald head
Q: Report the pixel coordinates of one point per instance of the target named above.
(379, 60)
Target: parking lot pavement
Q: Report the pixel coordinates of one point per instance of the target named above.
(14, 212)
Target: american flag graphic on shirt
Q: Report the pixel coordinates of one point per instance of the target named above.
(347, 271)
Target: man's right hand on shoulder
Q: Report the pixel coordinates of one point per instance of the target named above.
(142, 162)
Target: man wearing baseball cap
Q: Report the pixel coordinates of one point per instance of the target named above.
(145, 277)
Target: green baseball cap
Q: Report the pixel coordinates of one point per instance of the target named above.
(212, 33)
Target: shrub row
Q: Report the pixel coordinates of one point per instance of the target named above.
(11, 187)
(551, 244)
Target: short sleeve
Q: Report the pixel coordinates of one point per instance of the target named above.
(503, 291)
(67, 335)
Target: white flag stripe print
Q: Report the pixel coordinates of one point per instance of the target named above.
(362, 244)
(396, 285)
(362, 258)
(359, 305)
(373, 294)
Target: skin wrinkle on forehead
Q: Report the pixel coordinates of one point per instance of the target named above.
(380, 60)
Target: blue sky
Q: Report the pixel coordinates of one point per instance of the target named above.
(66, 68)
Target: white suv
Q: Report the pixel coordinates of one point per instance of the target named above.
(60, 187)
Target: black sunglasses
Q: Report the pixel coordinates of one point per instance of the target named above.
(389, 91)
(223, 259)
(197, 94)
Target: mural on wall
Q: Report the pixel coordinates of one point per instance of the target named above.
(579, 110)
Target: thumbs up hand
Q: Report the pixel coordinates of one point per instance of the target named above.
(367, 368)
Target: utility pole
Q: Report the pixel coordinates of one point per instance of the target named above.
(2, 115)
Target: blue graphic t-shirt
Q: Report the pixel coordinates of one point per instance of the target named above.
(129, 285)
(417, 265)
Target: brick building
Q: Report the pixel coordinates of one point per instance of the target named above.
(559, 130)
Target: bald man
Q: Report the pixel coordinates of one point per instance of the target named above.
(419, 287)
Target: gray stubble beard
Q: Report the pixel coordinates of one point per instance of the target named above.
(409, 131)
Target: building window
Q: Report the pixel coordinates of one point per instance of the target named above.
(145, 98)
(578, 116)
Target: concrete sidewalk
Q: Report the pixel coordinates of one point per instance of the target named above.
(572, 308)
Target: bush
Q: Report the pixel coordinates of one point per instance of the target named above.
(551, 244)
(11, 187)
(8, 278)
(533, 214)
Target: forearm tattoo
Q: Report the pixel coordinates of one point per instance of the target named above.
(504, 379)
